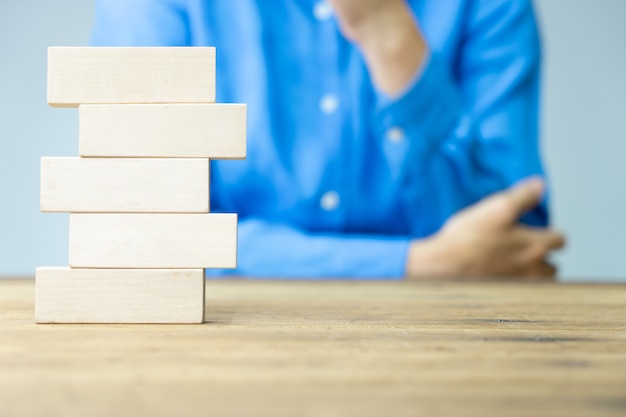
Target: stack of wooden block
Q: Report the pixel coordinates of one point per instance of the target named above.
(138, 195)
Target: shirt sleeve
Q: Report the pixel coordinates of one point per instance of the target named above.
(470, 131)
(277, 250)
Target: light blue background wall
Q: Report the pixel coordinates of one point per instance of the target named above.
(584, 130)
(30, 129)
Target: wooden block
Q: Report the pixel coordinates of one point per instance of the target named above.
(125, 185)
(216, 131)
(81, 75)
(153, 240)
(66, 295)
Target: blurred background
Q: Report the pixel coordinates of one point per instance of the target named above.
(583, 130)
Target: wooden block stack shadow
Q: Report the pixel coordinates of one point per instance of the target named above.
(138, 194)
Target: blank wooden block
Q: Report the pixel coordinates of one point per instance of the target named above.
(125, 185)
(65, 295)
(81, 75)
(216, 131)
(153, 240)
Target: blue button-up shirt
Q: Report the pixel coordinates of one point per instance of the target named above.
(339, 178)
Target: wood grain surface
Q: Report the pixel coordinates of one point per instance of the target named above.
(330, 349)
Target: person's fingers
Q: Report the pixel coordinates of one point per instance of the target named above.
(546, 269)
(542, 271)
(506, 207)
(552, 239)
(535, 244)
(522, 237)
(524, 196)
(527, 250)
(547, 239)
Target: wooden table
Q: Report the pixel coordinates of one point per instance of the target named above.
(330, 349)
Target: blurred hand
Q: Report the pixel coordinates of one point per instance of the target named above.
(387, 34)
(357, 17)
(486, 241)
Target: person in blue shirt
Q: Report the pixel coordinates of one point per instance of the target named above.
(386, 138)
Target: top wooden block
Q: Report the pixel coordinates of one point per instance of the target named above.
(110, 75)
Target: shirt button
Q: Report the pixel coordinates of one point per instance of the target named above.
(330, 201)
(329, 103)
(395, 135)
(322, 10)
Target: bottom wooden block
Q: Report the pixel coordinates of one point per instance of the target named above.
(67, 295)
